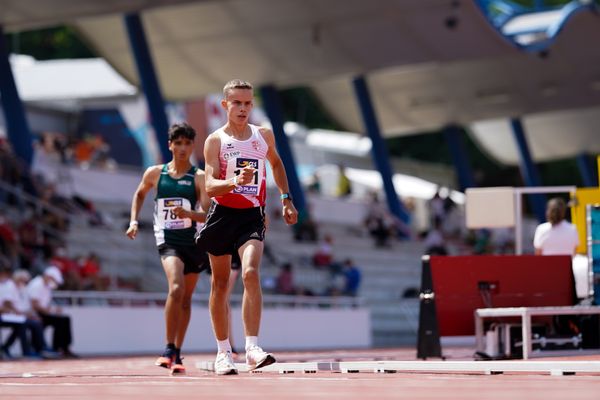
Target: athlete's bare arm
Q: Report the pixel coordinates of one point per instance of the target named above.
(290, 215)
(198, 215)
(149, 181)
(214, 185)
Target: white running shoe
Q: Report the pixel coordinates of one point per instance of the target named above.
(224, 364)
(258, 358)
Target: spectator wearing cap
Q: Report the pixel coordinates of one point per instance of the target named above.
(33, 323)
(8, 315)
(40, 293)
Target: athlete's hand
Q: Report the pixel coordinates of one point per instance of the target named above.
(290, 214)
(180, 212)
(132, 231)
(246, 176)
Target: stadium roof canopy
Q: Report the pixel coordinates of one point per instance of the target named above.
(429, 63)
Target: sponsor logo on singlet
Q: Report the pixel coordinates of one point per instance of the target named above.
(185, 183)
(246, 162)
(173, 202)
(231, 154)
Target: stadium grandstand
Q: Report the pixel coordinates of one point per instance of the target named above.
(365, 284)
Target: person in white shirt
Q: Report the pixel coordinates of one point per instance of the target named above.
(557, 236)
(33, 323)
(40, 293)
(9, 316)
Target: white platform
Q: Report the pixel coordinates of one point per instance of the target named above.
(450, 367)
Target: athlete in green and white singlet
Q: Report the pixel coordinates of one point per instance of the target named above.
(171, 193)
(180, 204)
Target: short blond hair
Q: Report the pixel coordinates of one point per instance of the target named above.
(236, 84)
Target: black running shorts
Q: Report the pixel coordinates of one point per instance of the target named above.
(194, 260)
(226, 229)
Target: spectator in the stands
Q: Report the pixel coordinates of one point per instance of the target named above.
(353, 277)
(377, 221)
(9, 243)
(285, 280)
(437, 209)
(344, 186)
(306, 228)
(33, 242)
(90, 273)
(434, 241)
(40, 292)
(323, 256)
(68, 268)
(21, 305)
(9, 317)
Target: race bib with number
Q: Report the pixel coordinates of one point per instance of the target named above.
(166, 216)
(234, 168)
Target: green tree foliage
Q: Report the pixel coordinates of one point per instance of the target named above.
(49, 44)
(301, 105)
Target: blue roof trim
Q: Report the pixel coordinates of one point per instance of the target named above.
(500, 12)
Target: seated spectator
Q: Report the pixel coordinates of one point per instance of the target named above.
(22, 306)
(89, 272)
(344, 187)
(323, 257)
(437, 209)
(353, 278)
(377, 222)
(9, 316)
(33, 242)
(285, 280)
(9, 243)
(434, 241)
(68, 269)
(50, 216)
(306, 228)
(40, 292)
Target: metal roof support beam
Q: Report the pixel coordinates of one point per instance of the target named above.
(529, 170)
(454, 140)
(149, 81)
(586, 169)
(378, 149)
(14, 113)
(272, 104)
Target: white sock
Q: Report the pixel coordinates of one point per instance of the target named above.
(251, 341)
(224, 345)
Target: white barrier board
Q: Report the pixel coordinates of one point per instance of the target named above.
(490, 207)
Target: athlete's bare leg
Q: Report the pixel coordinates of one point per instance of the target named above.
(250, 254)
(190, 281)
(232, 279)
(218, 304)
(173, 267)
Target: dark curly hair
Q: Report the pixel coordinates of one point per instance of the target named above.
(181, 130)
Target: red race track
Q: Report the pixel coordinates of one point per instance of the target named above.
(137, 378)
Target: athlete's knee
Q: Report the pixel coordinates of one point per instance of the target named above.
(219, 285)
(250, 276)
(176, 292)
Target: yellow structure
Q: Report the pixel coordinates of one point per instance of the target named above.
(583, 197)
